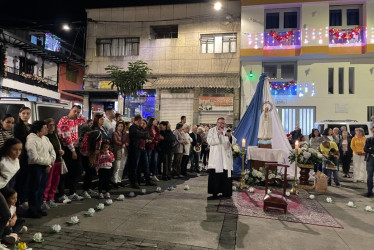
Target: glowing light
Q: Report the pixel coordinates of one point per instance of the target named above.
(217, 6)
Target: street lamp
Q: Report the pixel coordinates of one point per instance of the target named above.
(66, 27)
(217, 6)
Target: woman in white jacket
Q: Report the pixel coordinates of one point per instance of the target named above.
(41, 157)
(187, 149)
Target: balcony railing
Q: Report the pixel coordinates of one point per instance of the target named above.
(346, 37)
(282, 38)
(15, 74)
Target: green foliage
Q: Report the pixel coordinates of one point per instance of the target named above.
(129, 81)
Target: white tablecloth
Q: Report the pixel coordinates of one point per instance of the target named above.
(265, 154)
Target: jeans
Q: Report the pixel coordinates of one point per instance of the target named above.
(136, 155)
(317, 167)
(370, 170)
(38, 182)
(52, 183)
(335, 174)
(166, 165)
(153, 161)
(74, 169)
(4, 214)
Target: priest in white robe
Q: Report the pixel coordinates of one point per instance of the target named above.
(220, 162)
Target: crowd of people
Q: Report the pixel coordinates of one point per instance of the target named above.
(340, 148)
(41, 163)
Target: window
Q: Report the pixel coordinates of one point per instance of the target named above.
(331, 81)
(304, 117)
(345, 15)
(164, 31)
(341, 80)
(218, 43)
(71, 73)
(280, 71)
(282, 19)
(117, 47)
(351, 78)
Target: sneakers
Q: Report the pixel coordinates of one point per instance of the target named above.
(86, 195)
(11, 238)
(107, 196)
(51, 204)
(64, 199)
(25, 205)
(45, 206)
(92, 193)
(101, 196)
(75, 197)
(154, 178)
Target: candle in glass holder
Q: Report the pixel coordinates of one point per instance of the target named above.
(243, 143)
(296, 144)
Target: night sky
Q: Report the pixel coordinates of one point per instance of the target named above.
(49, 15)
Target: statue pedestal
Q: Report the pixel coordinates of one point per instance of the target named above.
(265, 146)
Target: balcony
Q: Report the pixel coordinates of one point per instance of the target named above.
(282, 39)
(15, 74)
(346, 37)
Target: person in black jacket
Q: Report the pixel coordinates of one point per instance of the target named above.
(369, 150)
(165, 146)
(195, 154)
(345, 153)
(138, 136)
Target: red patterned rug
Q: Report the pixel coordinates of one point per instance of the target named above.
(300, 209)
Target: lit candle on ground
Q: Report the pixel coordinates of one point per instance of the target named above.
(296, 144)
(243, 143)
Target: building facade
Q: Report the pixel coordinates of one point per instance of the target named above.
(31, 64)
(192, 50)
(318, 55)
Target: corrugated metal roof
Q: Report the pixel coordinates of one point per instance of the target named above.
(168, 82)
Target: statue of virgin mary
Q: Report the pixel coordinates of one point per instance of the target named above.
(265, 130)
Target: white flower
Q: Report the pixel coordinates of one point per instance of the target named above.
(307, 155)
(329, 200)
(301, 158)
(299, 150)
(288, 193)
(271, 176)
(312, 150)
(251, 189)
(109, 201)
(319, 155)
(56, 228)
(158, 189)
(311, 196)
(263, 178)
(90, 211)
(37, 237)
(259, 174)
(279, 177)
(350, 204)
(269, 191)
(144, 191)
(186, 187)
(368, 208)
(233, 188)
(74, 219)
(236, 148)
(101, 206)
(254, 173)
(121, 197)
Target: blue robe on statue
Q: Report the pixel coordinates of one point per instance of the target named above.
(248, 126)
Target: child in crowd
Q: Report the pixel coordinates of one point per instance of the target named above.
(332, 166)
(9, 165)
(303, 142)
(15, 225)
(104, 162)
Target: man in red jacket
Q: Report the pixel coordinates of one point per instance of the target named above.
(67, 129)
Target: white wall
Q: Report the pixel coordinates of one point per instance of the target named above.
(166, 56)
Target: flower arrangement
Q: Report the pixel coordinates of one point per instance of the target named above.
(305, 155)
(100, 206)
(257, 177)
(90, 212)
(121, 197)
(236, 151)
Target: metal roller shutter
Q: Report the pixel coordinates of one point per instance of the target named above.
(174, 105)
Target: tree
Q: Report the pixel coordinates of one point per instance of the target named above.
(130, 81)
